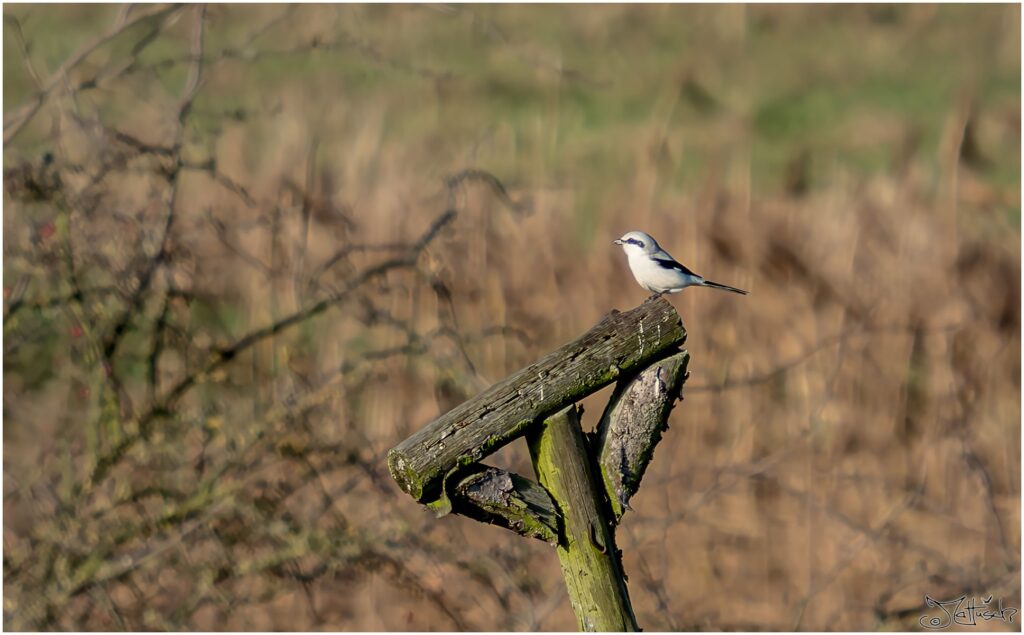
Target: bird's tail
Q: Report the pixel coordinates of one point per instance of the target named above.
(715, 285)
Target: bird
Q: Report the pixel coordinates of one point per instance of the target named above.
(657, 271)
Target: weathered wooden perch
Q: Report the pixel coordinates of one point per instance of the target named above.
(624, 442)
(620, 343)
(584, 485)
(632, 425)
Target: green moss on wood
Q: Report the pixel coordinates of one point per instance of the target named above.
(586, 548)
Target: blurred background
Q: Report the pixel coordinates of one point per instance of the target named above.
(229, 289)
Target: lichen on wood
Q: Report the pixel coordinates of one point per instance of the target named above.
(508, 500)
(632, 425)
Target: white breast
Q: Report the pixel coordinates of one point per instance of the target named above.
(657, 279)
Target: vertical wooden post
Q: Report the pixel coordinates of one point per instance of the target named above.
(590, 562)
(583, 490)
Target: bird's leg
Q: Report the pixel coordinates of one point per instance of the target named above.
(654, 296)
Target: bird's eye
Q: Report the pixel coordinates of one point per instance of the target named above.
(639, 243)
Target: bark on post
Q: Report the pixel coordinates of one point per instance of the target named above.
(508, 500)
(590, 561)
(618, 344)
(632, 424)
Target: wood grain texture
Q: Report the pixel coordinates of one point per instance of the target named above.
(494, 496)
(586, 549)
(632, 425)
(618, 344)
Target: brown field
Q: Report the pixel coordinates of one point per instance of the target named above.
(217, 318)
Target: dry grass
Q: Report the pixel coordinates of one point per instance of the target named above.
(849, 439)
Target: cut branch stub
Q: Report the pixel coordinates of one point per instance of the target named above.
(632, 424)
(508, 500)
(619, 343)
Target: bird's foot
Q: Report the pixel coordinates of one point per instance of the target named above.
(654, 296)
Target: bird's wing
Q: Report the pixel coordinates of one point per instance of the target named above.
(668, 262)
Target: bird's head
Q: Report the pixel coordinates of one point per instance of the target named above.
(637, 243)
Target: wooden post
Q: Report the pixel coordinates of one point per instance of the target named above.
(583, 490)
(586, 546)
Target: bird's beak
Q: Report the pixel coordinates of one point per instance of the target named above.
(617, 241)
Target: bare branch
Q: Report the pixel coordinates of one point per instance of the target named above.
(14, 123)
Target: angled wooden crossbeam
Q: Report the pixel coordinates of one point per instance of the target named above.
(586, 481)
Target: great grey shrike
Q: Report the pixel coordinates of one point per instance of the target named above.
(657, 271)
